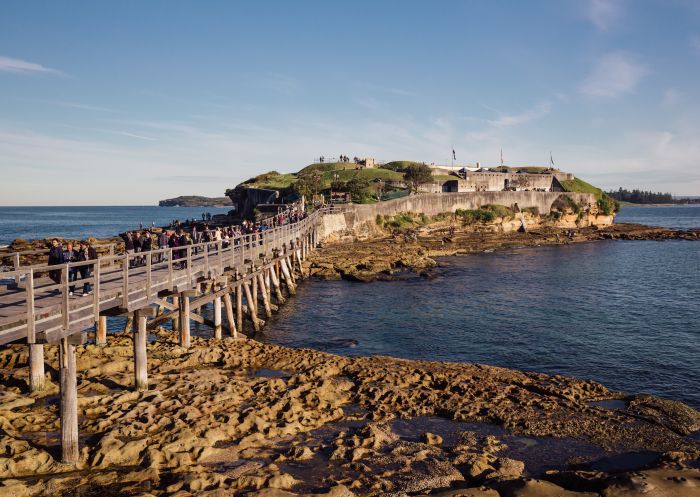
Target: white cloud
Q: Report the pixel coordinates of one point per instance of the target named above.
(613, 75)
(603, 13)
(9, 64)
(538, 111)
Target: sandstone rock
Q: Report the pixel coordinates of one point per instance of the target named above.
(432, 438)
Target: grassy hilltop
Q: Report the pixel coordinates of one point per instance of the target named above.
(347, 176)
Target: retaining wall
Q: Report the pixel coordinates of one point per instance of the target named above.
(360, 218)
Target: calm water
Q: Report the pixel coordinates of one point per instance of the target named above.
(676, 216)
(623, 313)
(82, 222)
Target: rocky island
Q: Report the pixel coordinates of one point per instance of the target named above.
(195, 201)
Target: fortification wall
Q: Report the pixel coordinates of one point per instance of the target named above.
(360, 219)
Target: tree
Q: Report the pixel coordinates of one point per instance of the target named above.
(356, 187)
(416, 175)
(309, 184)
(379, 187)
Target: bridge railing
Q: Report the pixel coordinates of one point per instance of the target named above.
(129, 280)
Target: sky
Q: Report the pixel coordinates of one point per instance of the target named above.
(129, 102)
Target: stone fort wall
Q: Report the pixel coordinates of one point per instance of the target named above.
(356, 218)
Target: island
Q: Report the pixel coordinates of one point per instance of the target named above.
(195, 201)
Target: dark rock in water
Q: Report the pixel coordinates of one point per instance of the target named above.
(674, 415)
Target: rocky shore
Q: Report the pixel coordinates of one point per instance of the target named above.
(237, 417)
(384, 255)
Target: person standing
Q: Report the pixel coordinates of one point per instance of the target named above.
(138, 248)
(71, 256)
(86, 253)
(128, 246)
(163, 244)
(55, 258)
(183, 242)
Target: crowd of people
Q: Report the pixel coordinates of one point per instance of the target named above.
(59, 255)
(139, 242)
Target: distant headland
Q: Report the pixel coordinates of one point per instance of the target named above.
(195, 201)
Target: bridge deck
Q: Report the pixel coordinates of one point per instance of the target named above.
(39, 310)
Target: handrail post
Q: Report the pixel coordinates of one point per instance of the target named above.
(125, 290)
(149, 258)
(96, 291)
(64, 298)
(188, 252)
(206, 258)
(169, 255)
(31, 334)
(219, 246)
(16, 264)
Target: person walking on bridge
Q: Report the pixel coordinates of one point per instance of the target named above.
(86, 253)
(55, 258)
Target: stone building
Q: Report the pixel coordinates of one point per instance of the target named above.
(493, 181)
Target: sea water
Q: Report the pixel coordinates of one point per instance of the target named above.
(624, 313)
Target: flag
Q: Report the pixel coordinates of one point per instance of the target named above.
(501, 157)
(551, 159)
(454, 156)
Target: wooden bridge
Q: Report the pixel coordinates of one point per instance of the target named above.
(149, 288)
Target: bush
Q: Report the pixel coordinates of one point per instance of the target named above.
(535, 211)
(442, 216)
(498, 210)
(607, 205)
(471, 216)
(379, 220)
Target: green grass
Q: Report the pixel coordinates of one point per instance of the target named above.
(272, 180)
(368, 174)
(328, 166)
(399, 165)
(577, 185)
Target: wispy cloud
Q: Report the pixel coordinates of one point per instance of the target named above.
(8, 64)
(613, 75)
(536, 112)
(603, 13)
(695, 42)
(76, 105)
(127, 134)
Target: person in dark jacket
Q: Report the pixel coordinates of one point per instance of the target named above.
(138, 248)
(86, 253)
(174, 243)
(183, 251)
(55, 258)
(129, 246)
(71, 255)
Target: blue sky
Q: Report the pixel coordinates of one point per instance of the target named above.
(130, 102)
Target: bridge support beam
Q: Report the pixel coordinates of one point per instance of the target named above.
(69, 401)
(291, 287)
(263, 293)
(175, 323)
(217, 318)
(252, 310)
(278, 289)
(185, 320)
(239, 307)
(140, 359)
(101, 331)
(229, 316)
(37, 376)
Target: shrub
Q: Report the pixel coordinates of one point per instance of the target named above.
(471, 216)
(498, 210)
(607, 205)
(379, 220)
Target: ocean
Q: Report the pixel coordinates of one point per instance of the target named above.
(82, 222)
(624, 313)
